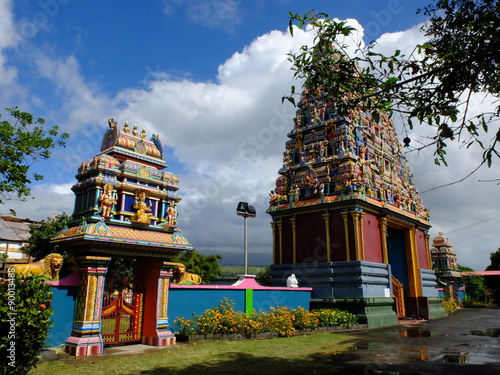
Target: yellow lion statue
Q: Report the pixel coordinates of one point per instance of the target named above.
(48, 267)
(182, 277)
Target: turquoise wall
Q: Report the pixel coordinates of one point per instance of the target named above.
(185, 302)
(63, 302)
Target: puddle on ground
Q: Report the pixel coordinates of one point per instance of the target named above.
(455, 357)
(414, 332)
(474, 345)
(491, 332)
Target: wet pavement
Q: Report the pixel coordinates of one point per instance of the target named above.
(467, 342)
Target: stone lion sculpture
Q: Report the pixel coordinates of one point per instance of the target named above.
(48, 267)
(182, 277)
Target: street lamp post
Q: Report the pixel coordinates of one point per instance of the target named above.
(245, 210)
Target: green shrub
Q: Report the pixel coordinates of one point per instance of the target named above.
(25, 308)
(223, 319)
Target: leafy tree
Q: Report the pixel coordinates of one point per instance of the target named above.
(475, 286)
(25, 309)
(207, 266)
(39, 245)
(23, 141)
(493, 282)
(433, 85)
(263, 276)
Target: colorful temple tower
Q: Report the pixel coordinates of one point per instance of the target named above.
(124, 231)
(347, 219)
(444, 262)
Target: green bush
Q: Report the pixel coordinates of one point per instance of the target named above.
(25, 308)
(223, 319)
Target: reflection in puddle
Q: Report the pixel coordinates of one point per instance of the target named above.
(414, 332)
(456, 357)
(491, 332)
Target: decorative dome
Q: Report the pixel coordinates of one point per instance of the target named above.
(132, 143)
(440, 241)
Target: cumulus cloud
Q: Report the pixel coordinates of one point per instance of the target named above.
(9, 88)
(227, 139)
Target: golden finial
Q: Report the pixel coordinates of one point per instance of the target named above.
(135, 131)
(126, 128)
(143, 133)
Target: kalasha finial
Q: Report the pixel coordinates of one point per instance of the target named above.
(112, 123)
(143, 133)
(135, 131)
(126, 128)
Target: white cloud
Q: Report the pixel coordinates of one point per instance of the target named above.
(229, 136)
(9, 89)
(217, 14)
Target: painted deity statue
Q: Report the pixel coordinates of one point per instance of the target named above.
(171, 215)
(143, 213)
(107, 201)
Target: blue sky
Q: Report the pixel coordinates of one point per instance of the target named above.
(208, 76)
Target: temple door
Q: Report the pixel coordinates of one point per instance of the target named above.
(399, 295)
(122, 316)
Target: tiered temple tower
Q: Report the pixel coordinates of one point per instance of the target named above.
(347, 218)
(123, 233)
(444, 262)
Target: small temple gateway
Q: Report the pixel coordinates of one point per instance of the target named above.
(347, 219)
(124, 231)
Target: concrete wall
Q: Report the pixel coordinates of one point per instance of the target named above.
(184, 300)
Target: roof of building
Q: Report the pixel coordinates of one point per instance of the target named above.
(14, 229)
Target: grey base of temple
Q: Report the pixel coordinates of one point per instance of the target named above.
(362, 288)
(375, 312)
(436, 309)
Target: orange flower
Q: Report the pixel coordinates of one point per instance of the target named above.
(43, 306)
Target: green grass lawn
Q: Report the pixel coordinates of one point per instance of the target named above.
(306, 354)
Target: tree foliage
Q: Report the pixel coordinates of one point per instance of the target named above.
(493, 282)
(25, 309)
(207, 266)
(432, 86)
(475, 287)
(39, 245)
(24, 140)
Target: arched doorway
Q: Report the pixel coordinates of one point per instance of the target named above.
(122, 312)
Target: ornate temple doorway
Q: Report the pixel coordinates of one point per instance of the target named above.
(398, 260)
(122, 304)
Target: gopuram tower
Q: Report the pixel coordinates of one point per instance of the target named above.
(123, 233)
(347, 219)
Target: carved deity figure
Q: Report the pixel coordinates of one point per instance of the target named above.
(292, 282)
(107, 201)
(49, 267)
(143, 213)
(171, 215)
(182, 277)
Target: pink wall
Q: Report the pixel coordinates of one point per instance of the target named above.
(373, 244)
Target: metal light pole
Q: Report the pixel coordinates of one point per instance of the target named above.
(245, 210)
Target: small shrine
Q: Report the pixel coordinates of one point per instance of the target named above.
(347, 219)
(123, 234)
(444, 262)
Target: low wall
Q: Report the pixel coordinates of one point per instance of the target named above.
(64, 303)
(184, 300)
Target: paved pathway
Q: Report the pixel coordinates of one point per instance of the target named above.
(467, 342)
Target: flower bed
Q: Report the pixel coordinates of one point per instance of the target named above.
(223, 320)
